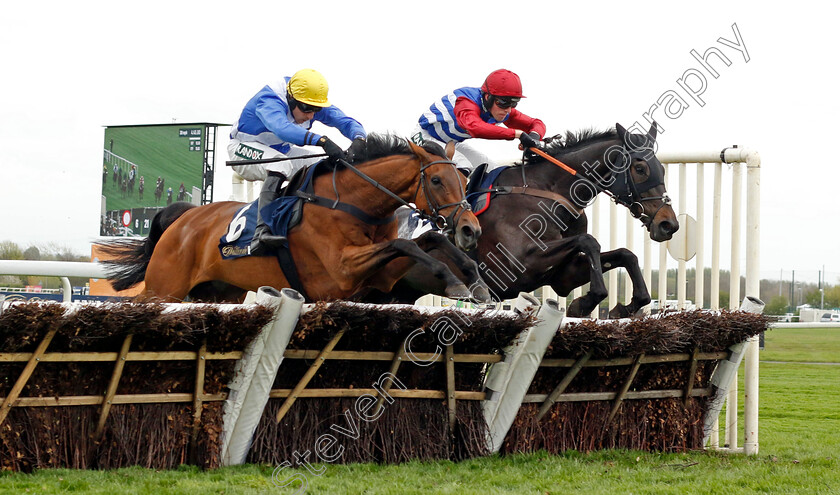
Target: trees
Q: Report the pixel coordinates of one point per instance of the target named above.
(778, 305)
(9, 250)
(32, 253)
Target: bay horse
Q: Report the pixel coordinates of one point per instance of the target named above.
(534, 230)
(336, 254)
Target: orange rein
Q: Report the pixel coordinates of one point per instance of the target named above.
(554, 160)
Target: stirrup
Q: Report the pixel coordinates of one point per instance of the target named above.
(272, 241)
(264, 241)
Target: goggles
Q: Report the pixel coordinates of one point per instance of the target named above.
(306, 108)
(505, 102)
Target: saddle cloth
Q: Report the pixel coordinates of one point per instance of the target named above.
(280, 216)
(479, 187)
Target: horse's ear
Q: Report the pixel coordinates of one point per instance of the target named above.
(417, 150)
(620, 130)
(450, 150)
(652, 131)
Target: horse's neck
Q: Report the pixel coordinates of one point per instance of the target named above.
(399, 174)
(588, 163)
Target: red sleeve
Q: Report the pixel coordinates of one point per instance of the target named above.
(468, 116)
(518, 120)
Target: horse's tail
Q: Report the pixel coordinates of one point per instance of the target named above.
(129, 258)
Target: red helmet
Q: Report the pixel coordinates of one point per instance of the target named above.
(503, 82)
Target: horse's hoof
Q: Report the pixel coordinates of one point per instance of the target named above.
(619, 311)
(481, 295)
(458, 292)
(574, 309)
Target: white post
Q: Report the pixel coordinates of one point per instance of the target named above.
(735, 251)
(629, 223)
(237, 187)
(548, 294)
(683, 200)
(647, 268)
(752, 289)
(424, 300)
(699, 263)
(751, 397)
(253, 185)
(662, 284)
(714, 289)
(66, 290)
(613, 274)
(596, 232)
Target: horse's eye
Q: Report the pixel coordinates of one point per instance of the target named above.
(436, 180)
(640, 169)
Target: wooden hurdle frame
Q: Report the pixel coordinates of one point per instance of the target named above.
(504, 390)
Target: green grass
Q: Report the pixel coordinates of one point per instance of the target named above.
(820, 345)
(799, 449)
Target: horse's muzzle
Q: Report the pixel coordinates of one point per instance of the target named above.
(664, 230)
(466, 237)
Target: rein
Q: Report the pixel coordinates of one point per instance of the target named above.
(553, 160)
(630, 197)
(442, 223)
(236, 163)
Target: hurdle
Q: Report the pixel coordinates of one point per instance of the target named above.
(744, 222)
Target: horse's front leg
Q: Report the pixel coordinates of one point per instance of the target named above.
(564, 264)
(575, 260)
(578, 273)
(361, 263)
(464, 264)
(641, 297)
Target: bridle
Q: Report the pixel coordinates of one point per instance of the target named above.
(628, 193)
(623, 190)
(444, 224)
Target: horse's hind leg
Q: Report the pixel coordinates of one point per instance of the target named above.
(585, 267)
(167, 281)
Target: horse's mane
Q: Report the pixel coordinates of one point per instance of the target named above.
(573, 141)
(382, 145)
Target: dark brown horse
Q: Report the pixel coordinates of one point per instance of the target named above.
(534, 232)
(336, 254)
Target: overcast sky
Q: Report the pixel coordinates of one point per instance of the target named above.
(70, 68)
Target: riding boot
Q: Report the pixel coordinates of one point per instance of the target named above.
(263, 239)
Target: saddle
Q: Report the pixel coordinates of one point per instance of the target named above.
(281, 215)
(480, 187)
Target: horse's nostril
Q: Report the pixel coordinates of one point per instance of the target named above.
(467, 231)
(669, 227)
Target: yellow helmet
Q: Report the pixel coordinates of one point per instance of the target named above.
(309, 86)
